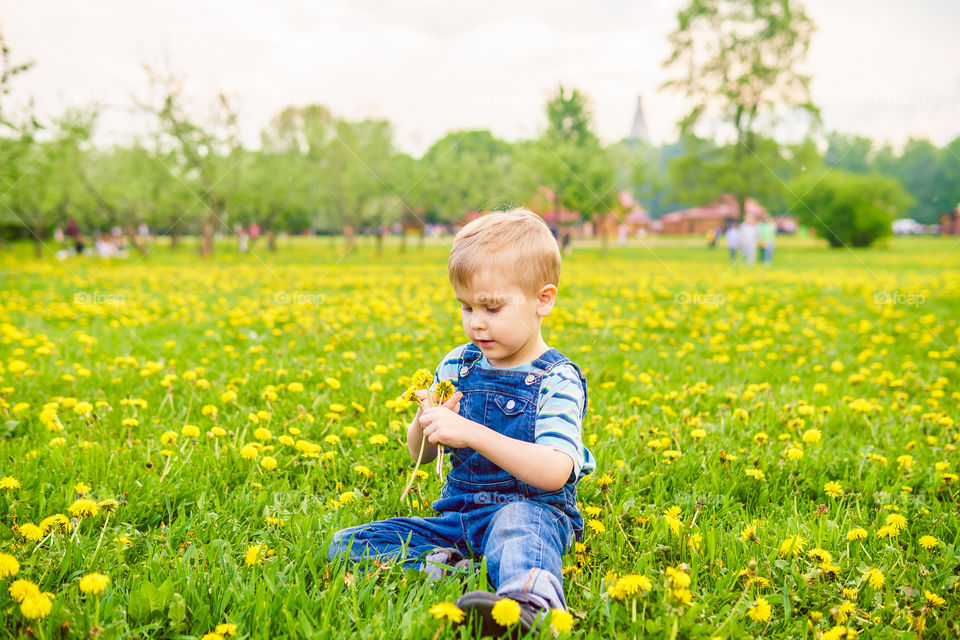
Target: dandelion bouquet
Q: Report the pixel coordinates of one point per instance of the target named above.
(444, 391)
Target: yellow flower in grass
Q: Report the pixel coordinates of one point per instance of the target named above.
(94, 583)
(596, 526)
(168, 438)
(269, 463)
(226, 629)
(20, 590)
(760, 611)
(31, 532)
(84, 508)
(792, 545)
(248, 452)
(448, 611)
(9, 483)
(190, 431)
(833, 488)
(928, 542)
(561, 620)
(756, 474)
(9, 566)
(252, 556)
(857, 533)
(211, 636)
(37, 605)
(897, 521)
(506, 612)
(933, 598)
(630, 585)
(874, 578)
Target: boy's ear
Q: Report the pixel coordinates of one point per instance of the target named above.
(545, 299)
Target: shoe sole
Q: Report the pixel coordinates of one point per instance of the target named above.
(480, 604)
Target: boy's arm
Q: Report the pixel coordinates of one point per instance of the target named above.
(415, 442)
(534, 464)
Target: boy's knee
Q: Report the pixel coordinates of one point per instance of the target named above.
(340, 543)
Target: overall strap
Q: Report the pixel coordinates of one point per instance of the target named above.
(550, 358)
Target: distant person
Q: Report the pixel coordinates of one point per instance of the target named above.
(105, 247)
(732, 237)
(748, 239)
(622, 234)
(73, 232)
(711, 237)
(766, 232)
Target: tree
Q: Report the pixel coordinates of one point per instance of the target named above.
(569, 159)
(739, 61)
(850, 209)
(45, 188)
(462, 171)
(204, 154)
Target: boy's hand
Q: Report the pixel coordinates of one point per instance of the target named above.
(453, 403)
(442, 426)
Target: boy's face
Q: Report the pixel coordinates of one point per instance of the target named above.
(503, 319)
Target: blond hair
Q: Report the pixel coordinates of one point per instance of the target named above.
(517, 242)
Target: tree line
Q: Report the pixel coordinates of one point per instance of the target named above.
(737, 65)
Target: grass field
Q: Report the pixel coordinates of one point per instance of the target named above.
(777, 446)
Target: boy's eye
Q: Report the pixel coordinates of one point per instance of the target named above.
(494, 309)
(465, 308)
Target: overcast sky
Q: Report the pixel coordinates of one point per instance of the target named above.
(889, 69)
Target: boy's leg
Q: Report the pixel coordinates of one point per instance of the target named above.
(524, 545)
(416, 540)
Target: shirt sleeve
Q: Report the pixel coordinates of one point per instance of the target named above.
(558, 424)
(447, 369)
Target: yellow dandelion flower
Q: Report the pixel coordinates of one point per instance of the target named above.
(84, 508)
(874, 578)
(792, 545)
(448, 611)
(561, 620)
(190, 431)
(21, 589)
(506, 612)
(36, 606)
(928, 542)
(252, 556)
(9, 566)
(94, 583)
(833, 488)
(857, 533)
(9, 483)
(269, 463)
(933, 598)
(760, 610)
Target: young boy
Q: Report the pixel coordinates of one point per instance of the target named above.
(513, 430)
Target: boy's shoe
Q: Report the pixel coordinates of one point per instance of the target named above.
(479, 605)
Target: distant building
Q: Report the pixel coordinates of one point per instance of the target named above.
(638, 130)
(950, 222)
(714, 215)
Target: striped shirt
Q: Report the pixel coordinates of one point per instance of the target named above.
(558, 411)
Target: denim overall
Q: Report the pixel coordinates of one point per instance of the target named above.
(521, 530)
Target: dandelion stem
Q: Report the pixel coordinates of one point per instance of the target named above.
(416, 467)
(96, 551)
(619, 526)
(733, 610)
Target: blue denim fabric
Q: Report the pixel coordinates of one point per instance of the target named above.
(522, 531)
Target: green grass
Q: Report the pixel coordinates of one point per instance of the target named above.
(809, 344)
